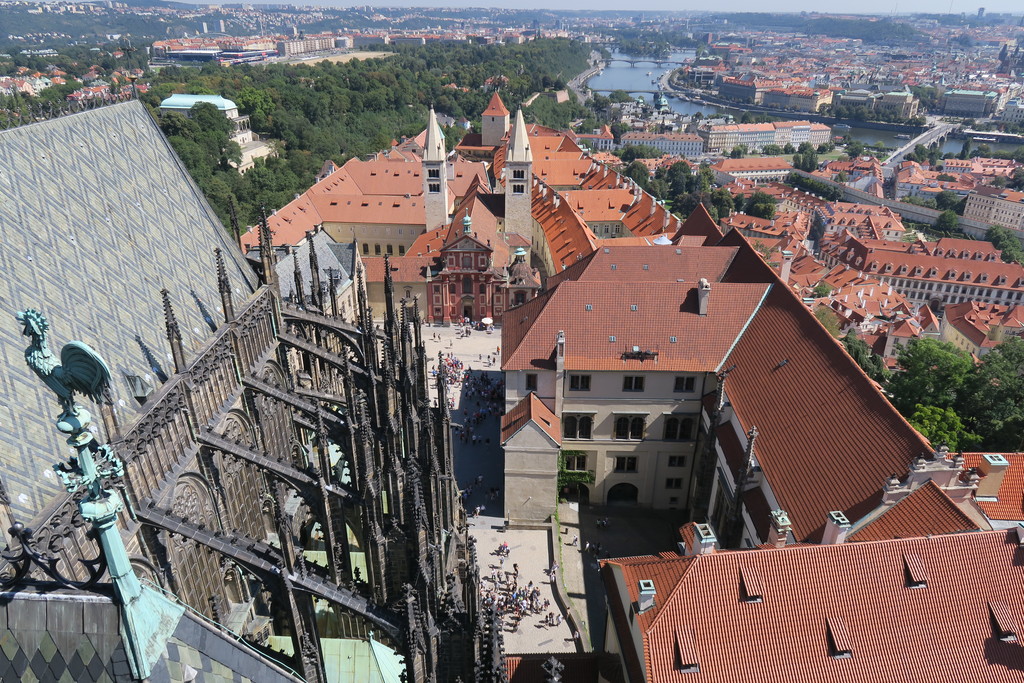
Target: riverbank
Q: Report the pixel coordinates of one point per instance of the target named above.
(705, 98)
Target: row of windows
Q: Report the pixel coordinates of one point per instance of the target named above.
(626, 463)
(632, 383)
(390, 249)
(627, 428)
(629, 383)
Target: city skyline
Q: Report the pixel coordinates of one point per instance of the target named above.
(872, 8)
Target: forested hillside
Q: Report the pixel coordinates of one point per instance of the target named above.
(339, 110)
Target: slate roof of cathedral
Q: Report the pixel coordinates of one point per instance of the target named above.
(98, 215)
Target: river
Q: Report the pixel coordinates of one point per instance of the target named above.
(622, 76)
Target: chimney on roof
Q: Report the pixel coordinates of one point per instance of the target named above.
(993, 469)
(557, 198)
(654, 205)
(778, 534)
(894, 490)
(836, 528)
(703, 295)
(1020, 533)
(787, 265)
(645, 601)
(703, 541)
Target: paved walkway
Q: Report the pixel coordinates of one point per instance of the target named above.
(529, 548)
(631, 531)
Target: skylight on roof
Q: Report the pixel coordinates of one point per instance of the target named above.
(611, 337)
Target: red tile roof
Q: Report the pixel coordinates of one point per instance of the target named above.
(566, 233)
(496, 106)
(700, 224)
(1009, 505)
(579, 667)
(752, 164)
(942, 631)
(531, 409)
(403, 268)
(809, 409)
(611, 281)
(927, 511)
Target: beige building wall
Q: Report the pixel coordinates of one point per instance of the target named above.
(375, 295)
(375, 238)
(531, 476)
(661, 468)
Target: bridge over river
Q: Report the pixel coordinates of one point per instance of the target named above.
(651, 60)
(933, 135)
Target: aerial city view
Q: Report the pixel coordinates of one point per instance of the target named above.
(462, 344)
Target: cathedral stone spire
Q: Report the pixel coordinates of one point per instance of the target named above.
(224, 287)
(173, 332)
(519, 142)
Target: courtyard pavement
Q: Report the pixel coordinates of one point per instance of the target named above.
(631, 531)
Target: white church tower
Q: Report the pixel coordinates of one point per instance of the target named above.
(518, 179)
(435, 175)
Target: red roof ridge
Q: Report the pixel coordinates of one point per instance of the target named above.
(496, 107)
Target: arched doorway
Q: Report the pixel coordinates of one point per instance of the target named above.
(622, 494)
(576, 493)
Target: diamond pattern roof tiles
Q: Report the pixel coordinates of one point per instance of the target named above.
(98, 215)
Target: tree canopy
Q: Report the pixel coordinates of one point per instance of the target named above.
(326, 110)
(938, 382)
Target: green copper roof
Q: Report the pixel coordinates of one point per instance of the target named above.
(349, 660)
(181, 101)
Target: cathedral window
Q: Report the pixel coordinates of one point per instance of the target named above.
(434, 188)
(518, 188)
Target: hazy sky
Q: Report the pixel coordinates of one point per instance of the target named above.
(882, 7)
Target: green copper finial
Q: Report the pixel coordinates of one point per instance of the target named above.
(147, 618)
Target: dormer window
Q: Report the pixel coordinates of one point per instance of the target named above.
(839, 646)
(1004, 626)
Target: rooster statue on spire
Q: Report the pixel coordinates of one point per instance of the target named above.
(81, 370)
